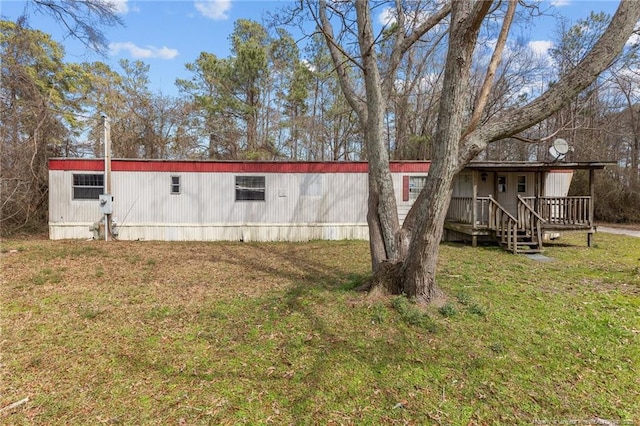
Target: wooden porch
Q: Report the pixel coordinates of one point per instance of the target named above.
(483, 218)
(517, 204)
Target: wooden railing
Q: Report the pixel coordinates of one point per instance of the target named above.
(461, 210)
(530, 221)
(532, 213)
(482, 210)
(504, 224)
(562, 210)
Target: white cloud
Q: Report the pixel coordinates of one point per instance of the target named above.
(146, 52)
(120, 6)
(387, 16)
(217, 10)
(560, 3)
(540, 47)
(309, 65)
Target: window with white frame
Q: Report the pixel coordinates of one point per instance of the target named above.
(416, 183)
(250, 188)
(175, 185)
(87, 186)
(522, 184)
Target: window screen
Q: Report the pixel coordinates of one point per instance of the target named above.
(175, 184)
(522, 184)
(87, 186)
(250, 188)
(416, 183)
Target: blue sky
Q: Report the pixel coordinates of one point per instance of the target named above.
(168, 34)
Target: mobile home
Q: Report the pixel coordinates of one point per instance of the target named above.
(300, 201)
(209, 200)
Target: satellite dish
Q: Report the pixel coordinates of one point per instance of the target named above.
(561, 146)
(559, 149)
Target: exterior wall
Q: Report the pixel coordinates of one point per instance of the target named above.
(487, 186)
(299, 204)
(509, 198)
(303, 201)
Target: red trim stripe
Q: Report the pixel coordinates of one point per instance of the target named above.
(97, 165)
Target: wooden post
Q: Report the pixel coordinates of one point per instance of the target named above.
(592, 192)
(474, 202)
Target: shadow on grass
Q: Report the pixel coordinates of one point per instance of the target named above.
(361, 358)
(329, 344)
(291, 262)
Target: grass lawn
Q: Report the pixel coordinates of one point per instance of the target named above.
(242, 333)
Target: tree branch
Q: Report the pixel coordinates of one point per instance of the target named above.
(83, 19)
(339, 57)
(579, 78)
(496, 58)
(403, 42)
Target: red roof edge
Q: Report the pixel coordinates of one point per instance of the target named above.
(176, 166)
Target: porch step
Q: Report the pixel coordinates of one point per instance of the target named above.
(530, 247)
(524, 243)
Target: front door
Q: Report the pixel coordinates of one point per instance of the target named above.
(506, 192)
(511, 185)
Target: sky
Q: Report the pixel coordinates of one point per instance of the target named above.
(166, 35)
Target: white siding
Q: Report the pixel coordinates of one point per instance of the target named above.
(297, 206)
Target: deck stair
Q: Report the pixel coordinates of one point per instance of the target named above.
(521, 243)
(521, 234)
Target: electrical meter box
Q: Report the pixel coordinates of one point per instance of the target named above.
(106, 203)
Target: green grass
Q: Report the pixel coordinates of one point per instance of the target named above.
(232, 333)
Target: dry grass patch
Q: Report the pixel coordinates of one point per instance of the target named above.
(232, 333)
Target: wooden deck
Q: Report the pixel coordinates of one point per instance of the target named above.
(484, 219)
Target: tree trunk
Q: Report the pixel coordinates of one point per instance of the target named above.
(252, 122)
(418, 273)
(383, 211)
(414, 273)
(635, 150)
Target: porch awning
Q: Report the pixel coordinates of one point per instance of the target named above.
(517, 166)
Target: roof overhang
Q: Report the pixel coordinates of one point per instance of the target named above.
(529, 166)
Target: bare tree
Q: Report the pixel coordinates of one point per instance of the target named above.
(411, 252)
(34, 100)
(81, 19)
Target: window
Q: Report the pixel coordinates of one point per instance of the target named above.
(87, 187)
(175, 184)
(250, 188)
(502, 184)
(416, 183)
(522, 184)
